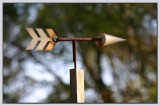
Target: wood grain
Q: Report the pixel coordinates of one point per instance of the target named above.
(77, 85)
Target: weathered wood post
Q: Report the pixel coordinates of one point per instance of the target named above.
(77, 86)
(76, 75)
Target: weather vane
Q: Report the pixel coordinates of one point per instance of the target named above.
(44, 42)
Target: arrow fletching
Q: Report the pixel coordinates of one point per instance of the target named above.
(46, 42)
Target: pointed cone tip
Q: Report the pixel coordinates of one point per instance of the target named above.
(121, 39)
(108, 39)
(115, 37)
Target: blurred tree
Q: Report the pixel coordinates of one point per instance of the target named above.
(134, 63)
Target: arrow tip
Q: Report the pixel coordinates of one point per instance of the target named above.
(107, 39)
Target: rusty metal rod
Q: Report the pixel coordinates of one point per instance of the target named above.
(79, 39)
(74, 53)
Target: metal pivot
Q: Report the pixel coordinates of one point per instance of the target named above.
(74, 53)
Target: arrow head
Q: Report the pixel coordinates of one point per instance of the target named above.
(107, 39)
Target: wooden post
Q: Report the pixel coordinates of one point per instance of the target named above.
(77, 85)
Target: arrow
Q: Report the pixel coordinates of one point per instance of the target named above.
(44, 40)
(48, 43)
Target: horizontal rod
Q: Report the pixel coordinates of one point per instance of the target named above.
(78, 39)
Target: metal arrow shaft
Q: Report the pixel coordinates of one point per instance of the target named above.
(78, 39)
